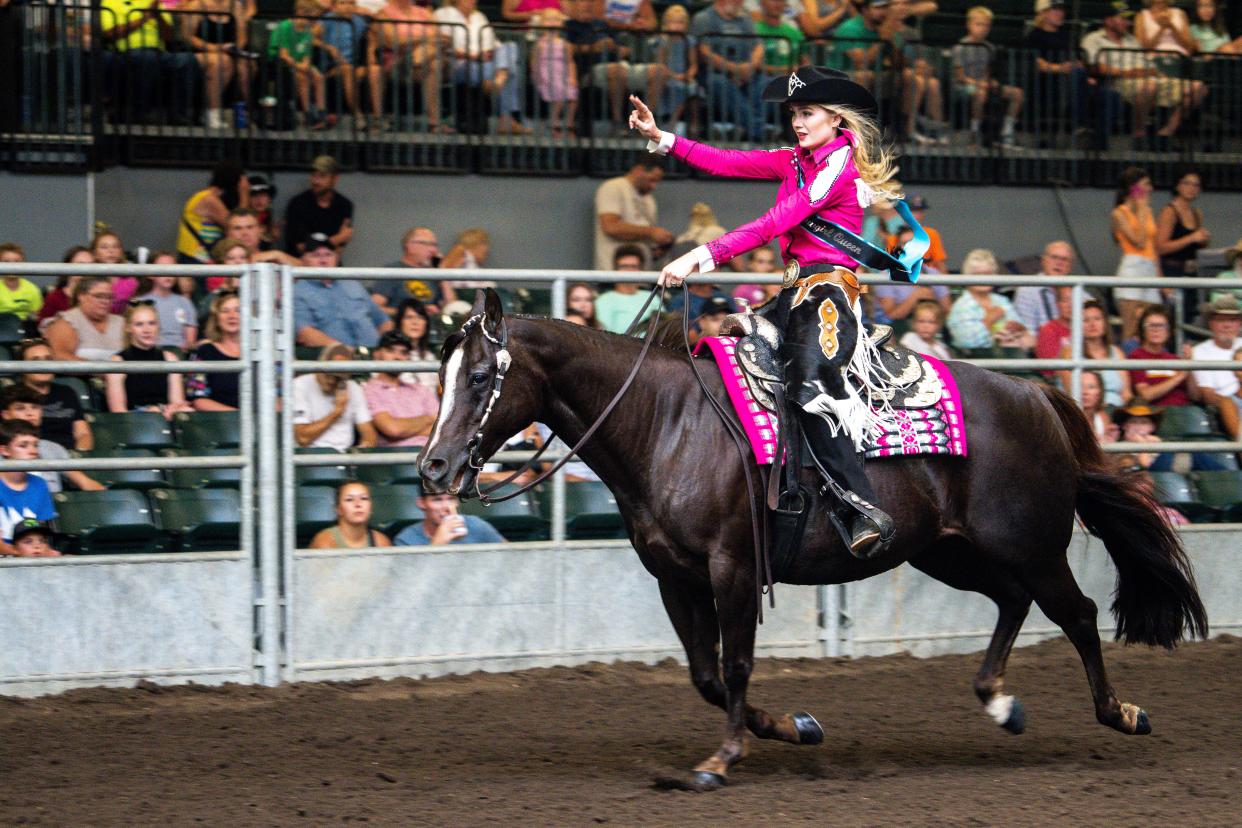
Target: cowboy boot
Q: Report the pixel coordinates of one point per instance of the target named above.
(867, 526)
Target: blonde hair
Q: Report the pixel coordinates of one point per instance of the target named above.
(873, 160)
(677, 11)
(979, 12)
(307, 8)
(211, 331)
(549, 18)
(983, 258)
(473, 237)
(130, 312)
(220, 250)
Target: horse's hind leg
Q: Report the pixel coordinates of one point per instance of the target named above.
(693, 613)
(964, 568)
(1057, 593)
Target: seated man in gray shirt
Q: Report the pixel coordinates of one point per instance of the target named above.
(328, 311)
(441, 524)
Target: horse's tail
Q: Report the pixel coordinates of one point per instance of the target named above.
(1156, 600)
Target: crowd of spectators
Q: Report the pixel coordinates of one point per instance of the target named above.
(450, 66)
(168, 319)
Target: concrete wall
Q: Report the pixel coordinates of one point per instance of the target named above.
(419, 612)
(548, 222)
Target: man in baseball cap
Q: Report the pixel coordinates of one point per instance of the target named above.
(320, 209)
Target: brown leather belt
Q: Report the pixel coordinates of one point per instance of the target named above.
(807, 277)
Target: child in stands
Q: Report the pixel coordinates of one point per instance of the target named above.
(22, 495)
(556, 74)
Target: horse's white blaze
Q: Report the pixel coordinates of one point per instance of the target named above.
(1000, 708)
(451, 371)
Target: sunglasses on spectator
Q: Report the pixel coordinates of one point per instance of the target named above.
(139, 303)
(103, 296)
(228, 293)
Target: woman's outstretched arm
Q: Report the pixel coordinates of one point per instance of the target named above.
(763, 164)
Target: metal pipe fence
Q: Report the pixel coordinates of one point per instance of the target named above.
(192, 88)
(264, 602)
(268, 340)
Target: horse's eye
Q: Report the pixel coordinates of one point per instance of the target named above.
(477, 379)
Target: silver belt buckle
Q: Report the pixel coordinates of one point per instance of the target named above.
(791, 274)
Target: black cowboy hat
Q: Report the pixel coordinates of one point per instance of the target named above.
(818, 84)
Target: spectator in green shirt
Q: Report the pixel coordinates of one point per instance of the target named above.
(138, 32)
(782, 40)
(18, 296)
(865, 46)
(291, 43)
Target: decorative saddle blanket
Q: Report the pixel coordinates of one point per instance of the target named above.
(925, 415)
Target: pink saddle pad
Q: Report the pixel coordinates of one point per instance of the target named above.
(940, 429)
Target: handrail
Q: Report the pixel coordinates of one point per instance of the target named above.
(277, 344)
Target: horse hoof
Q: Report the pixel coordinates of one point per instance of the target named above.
(1142, 724)
(708, 781)
(1016, 723)
(809, 731)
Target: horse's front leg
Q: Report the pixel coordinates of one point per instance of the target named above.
(733, 586)
(692, 609)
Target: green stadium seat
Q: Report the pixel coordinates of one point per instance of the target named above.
(517, 519)
(111, 522)
(315, 509)
(140, 479)
(203, 478)
(332, 476)
(11, 329)
(1221, 491)
(590, 512)
(208, 429)
(199, 520)
(81, 388)
(131, 429)
(395, 507)
(387, 473)
(1176, 490)
(1185, 422)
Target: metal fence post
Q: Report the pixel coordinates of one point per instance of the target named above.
(559, 295)
(1077, 297)
(283, 346)
(268, 502)
(250, 343)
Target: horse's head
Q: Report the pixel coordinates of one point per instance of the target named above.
(470, 425)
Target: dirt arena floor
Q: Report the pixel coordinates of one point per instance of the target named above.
(906, 744)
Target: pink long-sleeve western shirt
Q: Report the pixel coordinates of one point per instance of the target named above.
(830, 188)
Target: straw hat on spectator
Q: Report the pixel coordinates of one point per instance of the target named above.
(1137, 410)
(1225, 304)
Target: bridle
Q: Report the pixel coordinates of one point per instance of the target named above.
(503, 361)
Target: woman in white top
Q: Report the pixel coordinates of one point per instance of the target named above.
(88, 331)
(1165, 28)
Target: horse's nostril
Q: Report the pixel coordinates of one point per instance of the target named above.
(434, 468)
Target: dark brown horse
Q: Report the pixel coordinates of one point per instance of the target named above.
(998, 522)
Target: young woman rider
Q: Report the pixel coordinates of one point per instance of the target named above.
(827, 181)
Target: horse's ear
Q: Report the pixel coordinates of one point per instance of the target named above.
(494, 317)
(480, 303)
